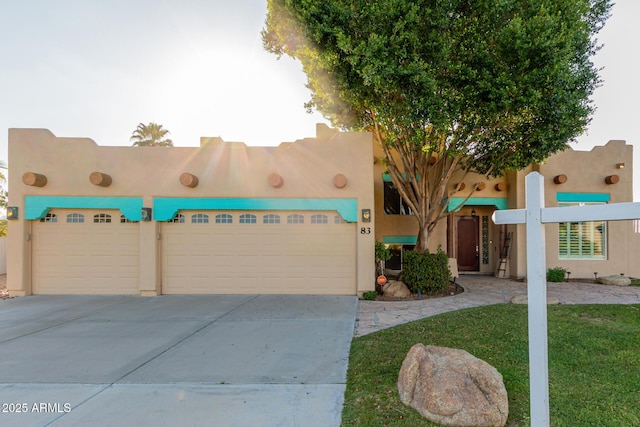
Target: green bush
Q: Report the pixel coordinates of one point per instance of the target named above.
(369, 295)
(382, 252)
(426, 272)
(556, 274)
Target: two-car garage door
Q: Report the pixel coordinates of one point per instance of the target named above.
(231, 252)
(263, 252)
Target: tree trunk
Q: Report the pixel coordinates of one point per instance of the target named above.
(422, 243)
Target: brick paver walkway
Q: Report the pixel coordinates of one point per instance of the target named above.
(484, 290)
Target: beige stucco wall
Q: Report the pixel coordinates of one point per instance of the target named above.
(224, 169)
(586, 172)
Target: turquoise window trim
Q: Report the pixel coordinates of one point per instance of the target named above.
(455, 203)
(399, 240)
(583, 197)
(37, 207)
(387, 178)
(165, 208)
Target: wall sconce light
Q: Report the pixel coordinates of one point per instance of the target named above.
(146, 214)
(366, 215)
(620, 166)
(473, 212)
(12, 212)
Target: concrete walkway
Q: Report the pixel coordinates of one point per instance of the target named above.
(484, 290)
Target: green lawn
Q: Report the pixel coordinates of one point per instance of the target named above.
(594, 363)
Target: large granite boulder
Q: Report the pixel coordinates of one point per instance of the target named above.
(396, 289)
(615, 280)
(453, 388)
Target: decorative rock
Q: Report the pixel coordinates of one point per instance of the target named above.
(453, 388)
(523, 299)
(396, 289)
(615, 280)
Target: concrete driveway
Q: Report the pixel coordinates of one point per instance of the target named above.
(228, 360)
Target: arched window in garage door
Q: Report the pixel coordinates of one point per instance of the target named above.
(102, 218)
(295, 219)
(51, 217)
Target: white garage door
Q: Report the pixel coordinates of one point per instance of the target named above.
(258, 253)
(85, 252)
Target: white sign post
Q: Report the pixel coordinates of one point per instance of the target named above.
(534, 217)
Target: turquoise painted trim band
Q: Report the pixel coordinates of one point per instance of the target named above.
(387, 178)
(455, 203)
(166, 208)
(583, 197)
(400, 240)
(37, 207)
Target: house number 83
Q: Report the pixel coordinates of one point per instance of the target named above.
(365, 230)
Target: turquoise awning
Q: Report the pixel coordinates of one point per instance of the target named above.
(37, 207)
(166, 208)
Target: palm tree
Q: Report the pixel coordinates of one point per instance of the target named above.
(151, 135)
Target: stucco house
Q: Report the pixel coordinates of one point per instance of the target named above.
(601, 175)
(300, 218)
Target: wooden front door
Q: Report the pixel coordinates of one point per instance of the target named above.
(468, 245)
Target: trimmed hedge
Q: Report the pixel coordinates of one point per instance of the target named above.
(556, 274)
(426, 272)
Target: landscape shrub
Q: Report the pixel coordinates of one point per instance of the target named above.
(556, 274)
(383, 254)
(426, 272)
(369, 295)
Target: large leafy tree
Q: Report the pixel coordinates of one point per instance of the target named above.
(446, 86)
(151, 135)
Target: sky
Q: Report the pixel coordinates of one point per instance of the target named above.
(90, 68)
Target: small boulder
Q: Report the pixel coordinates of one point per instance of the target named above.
(523, 299)
(453, 388)
(396, 289)
(615, 280)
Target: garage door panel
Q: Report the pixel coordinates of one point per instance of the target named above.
(85, 258)
(259, 258)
